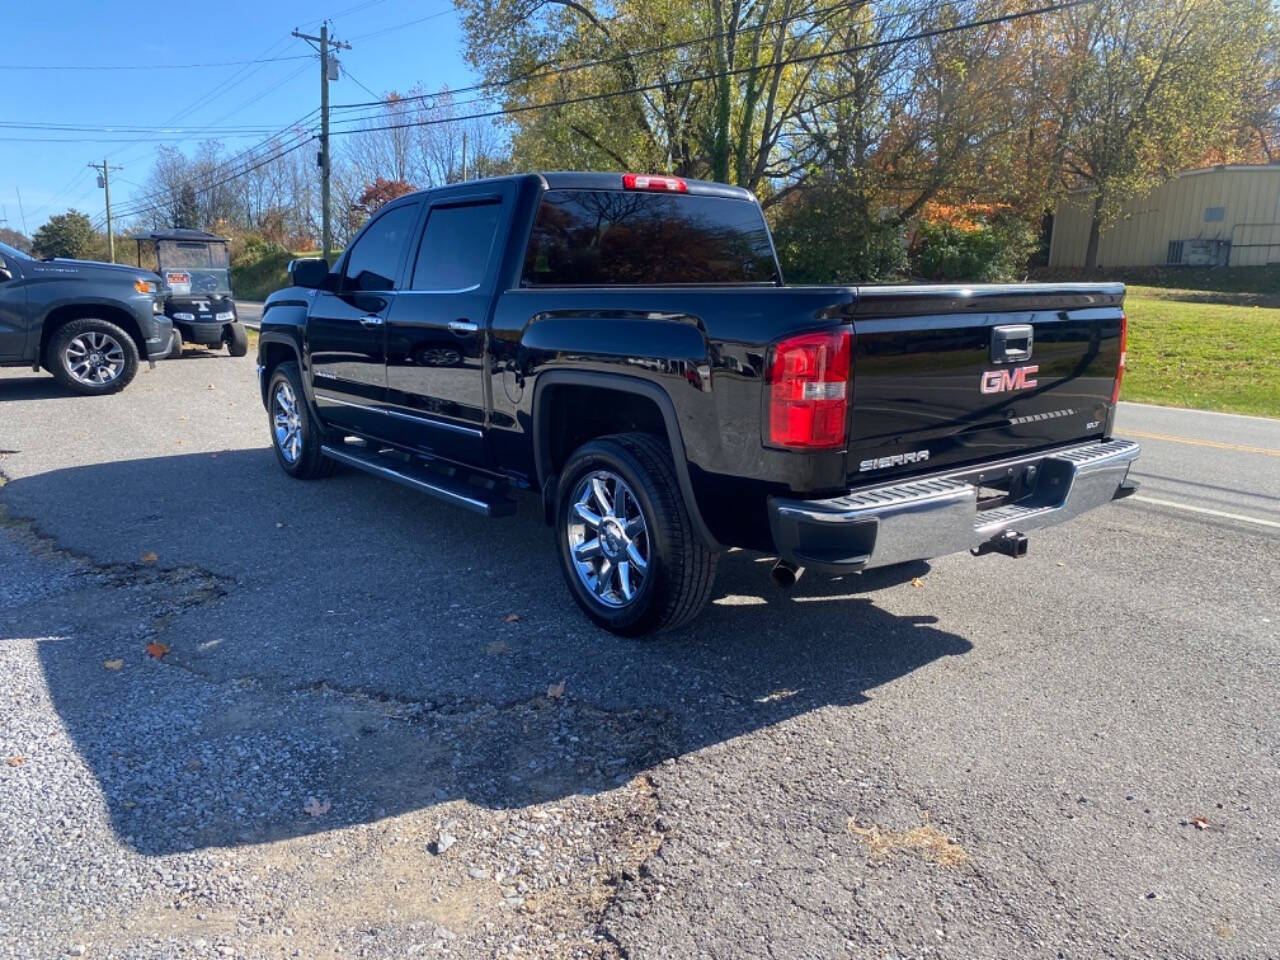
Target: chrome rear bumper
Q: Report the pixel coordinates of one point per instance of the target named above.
(936, 515)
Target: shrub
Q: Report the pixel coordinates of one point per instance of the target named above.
(986, 252)
(258, 267)
(825, 234)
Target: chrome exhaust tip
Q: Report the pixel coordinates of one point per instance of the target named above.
(784, 574)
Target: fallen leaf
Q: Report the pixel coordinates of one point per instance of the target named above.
(556, 690)
(316, 808)
(917, 582)
(511, 618)
(148, 557)
(157, 650)
(113, 664)
(16, 761)
(1200, 823)
(496, 647)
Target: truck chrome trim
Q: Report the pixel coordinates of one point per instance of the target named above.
(440, 490)
(432, 422)
(937, 515)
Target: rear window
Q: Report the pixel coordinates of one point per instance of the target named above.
(605, 237)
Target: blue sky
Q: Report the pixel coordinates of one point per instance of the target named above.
(53, 176)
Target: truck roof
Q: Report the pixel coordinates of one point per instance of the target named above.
(181, 234)
(574, 180)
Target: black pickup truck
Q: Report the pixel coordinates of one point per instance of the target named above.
(87, 323)
(623, 347)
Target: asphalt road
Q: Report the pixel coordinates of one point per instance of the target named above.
(249, 312)
(351, 748)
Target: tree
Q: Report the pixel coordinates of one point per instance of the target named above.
(187, 212)
(13, 238)
(67, 234)
(1151, 86)
(381, 192)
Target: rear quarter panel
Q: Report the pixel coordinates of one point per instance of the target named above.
(704, 347)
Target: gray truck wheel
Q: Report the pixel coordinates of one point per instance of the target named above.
(236, 339)
(92, 357)
(626, 544)
(295, 437)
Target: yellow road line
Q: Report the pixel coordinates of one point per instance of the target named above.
(1239, 448)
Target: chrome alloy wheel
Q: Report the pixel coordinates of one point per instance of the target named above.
(94, 358)
(608, 539)
(286, 422)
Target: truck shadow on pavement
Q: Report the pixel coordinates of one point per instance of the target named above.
(353, 642)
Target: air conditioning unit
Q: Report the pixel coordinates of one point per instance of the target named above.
(1199, 252)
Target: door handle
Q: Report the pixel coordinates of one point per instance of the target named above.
(462, 327)
(371, 321)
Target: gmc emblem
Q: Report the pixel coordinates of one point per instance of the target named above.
(1003, 381)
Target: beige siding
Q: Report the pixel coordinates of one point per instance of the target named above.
(1250, 202)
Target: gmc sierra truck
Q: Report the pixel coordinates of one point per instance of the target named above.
(87, 323)
(623, 347)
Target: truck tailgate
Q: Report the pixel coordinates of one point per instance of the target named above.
(947, 376)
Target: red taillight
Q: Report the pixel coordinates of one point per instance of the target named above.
(645, 181)
(808, 385)
(1124, 349)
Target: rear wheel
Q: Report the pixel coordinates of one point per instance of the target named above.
(295, 437)
(236, 339)
(92, 357)
(627, 546)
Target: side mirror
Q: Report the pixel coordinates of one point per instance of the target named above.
(310, 272)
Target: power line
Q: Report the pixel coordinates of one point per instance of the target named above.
(401, 26)
(294, 131)
(147, 66)
(661, 48)
(224, 86)
(807, 58)
(354, 79)
(240, 173)
(174, 139)
(41, 125)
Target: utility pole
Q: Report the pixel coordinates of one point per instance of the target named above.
(104, 181)
(464, 155)
(323, 43)
(22, 213)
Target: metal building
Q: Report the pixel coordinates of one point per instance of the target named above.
(1215, 216)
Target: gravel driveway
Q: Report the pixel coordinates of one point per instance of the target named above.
(380, 728)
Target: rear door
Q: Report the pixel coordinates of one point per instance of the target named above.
(435, 335)
(346, 328)
(948, 376)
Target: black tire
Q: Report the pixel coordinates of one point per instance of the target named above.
(59, 362)
(308, 463)
(681, 569)
(236, 339)
(175, 349)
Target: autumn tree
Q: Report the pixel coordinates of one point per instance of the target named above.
(382, 192)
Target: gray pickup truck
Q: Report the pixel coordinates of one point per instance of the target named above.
(87, 323)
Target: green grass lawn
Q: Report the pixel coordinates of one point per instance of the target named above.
(1211, 350)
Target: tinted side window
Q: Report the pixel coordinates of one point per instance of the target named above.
(598, 237)
(456, 246)
(373, 260)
